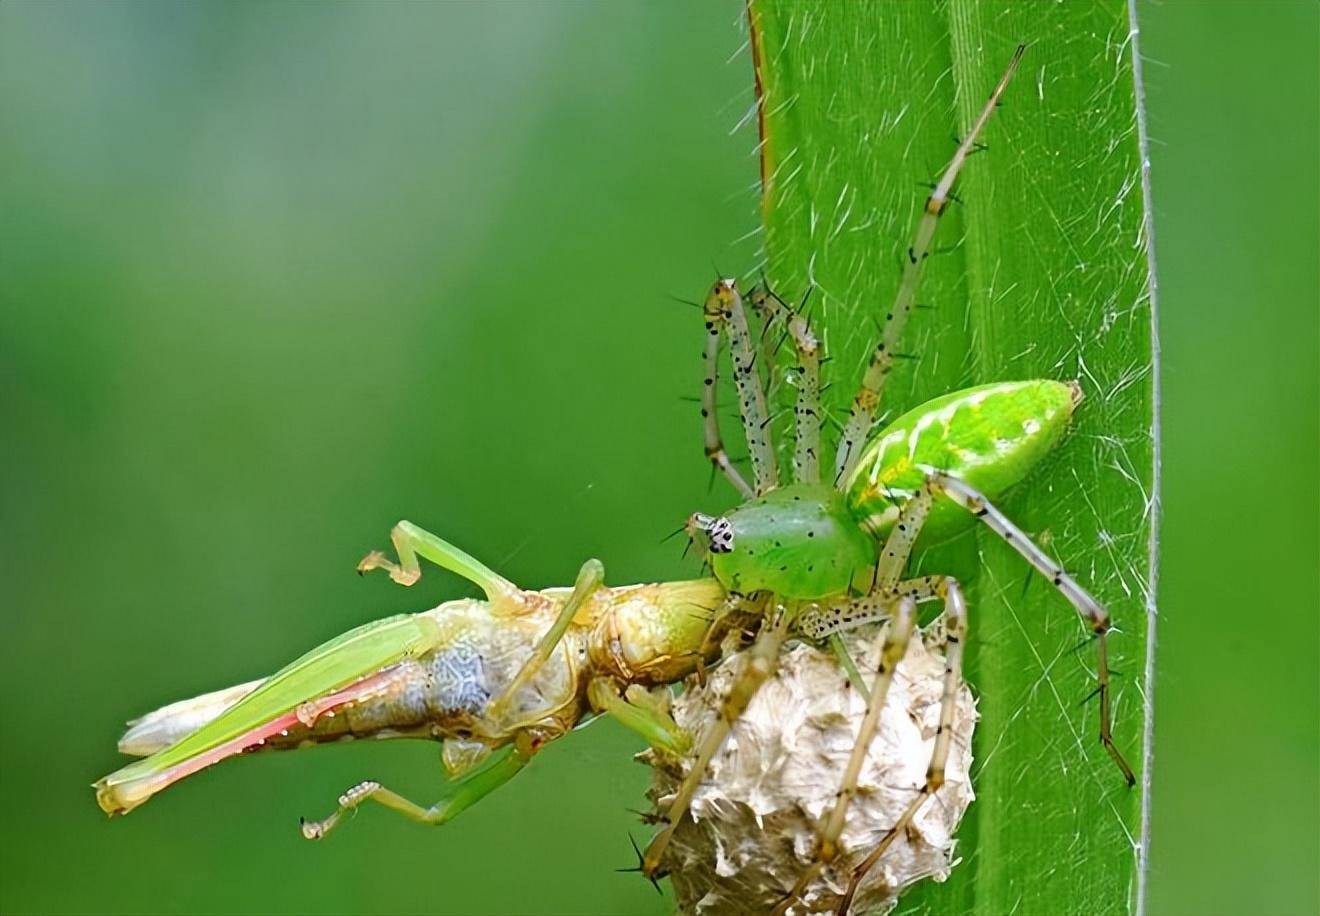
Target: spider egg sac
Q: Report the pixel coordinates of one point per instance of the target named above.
(755, 819)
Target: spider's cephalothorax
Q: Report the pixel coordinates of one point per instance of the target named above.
(818, 558)
(798, 541)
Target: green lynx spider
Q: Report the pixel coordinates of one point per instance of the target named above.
(496, 679)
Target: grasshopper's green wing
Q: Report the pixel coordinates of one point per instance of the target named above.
(273, 706)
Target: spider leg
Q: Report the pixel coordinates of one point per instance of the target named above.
(807, 408)
(732, 603)
(719, 458)
(955, 624)
(897, 550)
(724, 306)
(823, 622)
(709, 407)
(895, 647)
(868, 396)
(1091, 610)
(766, 306)
(762, 660)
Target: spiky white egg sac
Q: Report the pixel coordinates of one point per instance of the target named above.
(755, 819)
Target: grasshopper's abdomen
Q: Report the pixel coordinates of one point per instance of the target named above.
(990, 436)
(458, 660)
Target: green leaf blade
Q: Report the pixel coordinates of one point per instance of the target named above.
(1044, 272)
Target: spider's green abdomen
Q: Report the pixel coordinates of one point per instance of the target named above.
(799, 541)
(990, 436)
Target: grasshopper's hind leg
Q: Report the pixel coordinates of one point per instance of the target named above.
(411, 542)
(464, 793)
(641, 713)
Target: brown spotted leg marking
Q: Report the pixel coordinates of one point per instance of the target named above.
(1082, 601)
(751, 393)
(898, 546)
(715, 312)
(955, 626)
(820, 622)
(767, 308)
(807, 409)
(762, 660)
(895, 647)
(856, 430)
(881, 599)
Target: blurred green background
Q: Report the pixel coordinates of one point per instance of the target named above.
(275, 276)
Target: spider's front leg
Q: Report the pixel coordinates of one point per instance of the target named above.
(807, 408)
(853, 438)
(761, 663)
(723, 311)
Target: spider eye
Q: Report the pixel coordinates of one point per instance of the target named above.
(721, 536)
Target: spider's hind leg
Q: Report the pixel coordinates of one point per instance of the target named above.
(1090, 610)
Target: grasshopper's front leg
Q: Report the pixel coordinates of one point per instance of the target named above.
(465, 792)
(641, 713)
(410, 542)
